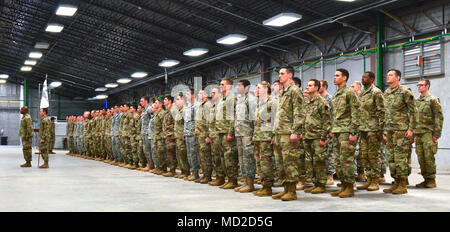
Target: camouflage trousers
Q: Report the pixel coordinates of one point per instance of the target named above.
(134, 158)
(27, 148)
(370, 153)
(359, 162)
(108, 147)
(51, 145)
(92, 147)
(205, 156)
(263, 151)
(161, 154)
(305, 169)
(426, 150)
(230, 156)
(192, 153)
(116, 148)
(217, 155)
(316, 156)
(71, 145)
(246, 156)
(286, 156)
(43, 148)
(398, 150)
(383, 157)
(124, 148)
(171, 154)
(153, 153)
(182, 157)
(345, 155)
(147, 148)
(331, 163)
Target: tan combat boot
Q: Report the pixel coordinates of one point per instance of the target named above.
(308, 180)
(291, 194)
(158, 172)
(309, 189)
(318, 189)
(170, 173)
(26, 165)
(361, 176)
(277, 184)
(45, 165)
(401, 189)
(232, 183)
(241, 179)
(281, 194)
(205, 180)
(336, 193)
(366, 185)
(218, 181)
(242, 186)
(374, 185)
(147, 168)
(348, 191)
(382, 179)
(300, 185)
(330, 180)
(250, 187)
(394, 186)
(431, 183)
(194, 176)
(422, 184)
(258, 180)
(266, 190)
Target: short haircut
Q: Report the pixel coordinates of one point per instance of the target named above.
(170, 98)
(183, 97)
(267, 84)
(358, 83)
(297, 81)
(397, 72)
(324, 83)
(316, 83)
(245, 82)
(52, 118)
(344, 73)
(371, 74)
(147, 98)
(427, 82)
(289, 69)
(228, 80)
(45, 110)
(277, 81)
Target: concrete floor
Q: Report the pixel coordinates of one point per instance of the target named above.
(76, 184)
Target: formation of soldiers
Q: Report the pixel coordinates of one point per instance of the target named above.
(283, 136)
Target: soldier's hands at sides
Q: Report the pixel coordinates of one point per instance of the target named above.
(42, 141)
(229, 138)
(184, 139)
(380, 135)
(207, 140)
(352, 138)
(301, 137)
(293, 137)
(411, 141)
(435, 139)
(271, 142)
(330, 135)
(322, 143)
(384, 138)
(408, 134)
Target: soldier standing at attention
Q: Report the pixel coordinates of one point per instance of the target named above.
(108, 141)
(202, 119)
(159, 138)
(372, 111)
(345, 126)
(151, 136)
(323, 91)
(190, 138)
(182, 158)
(427, 133)
(123, 136)
(26, 133)
(287, 130)
(145, 120)
(169, 134)
(52, 135)
(214, 139)
(245, 109)
(44, 136)
(400, 123)
(315, 134)
(224, 124)
(359, 164)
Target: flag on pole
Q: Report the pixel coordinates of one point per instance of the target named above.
(44, 97)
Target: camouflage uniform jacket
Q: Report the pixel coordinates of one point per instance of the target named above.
(429, 116)
(151, 127)
(145, 118)
(179, 124)
(44, 130)
(52, 131)
(317, 119)
(202, 119)
(212, 132)
(372, 109)
(224, 115)
(245, 114)
(108, 127)
(26, 127)
(158, 122)
(264, 120)
(290, 117)
(169, 123)
(70, 134)
(124, 125)
(400, 109)
(346, 114)
(189, 118)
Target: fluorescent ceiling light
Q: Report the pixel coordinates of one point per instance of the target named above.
(53, 27)
(4, 76)
(345, 0)
(101, 96)
(35, 55)
(123, 80)
(282, 19)
(66, 10)
(25, 68)
(42, 45)
(232, 39)
(139, 74)
(55, 84)
(111, 85)
(195, 52)
(168, 63)
(2, 81)
(30, 62)
(101, 89)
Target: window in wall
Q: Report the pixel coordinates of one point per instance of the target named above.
(422, 60)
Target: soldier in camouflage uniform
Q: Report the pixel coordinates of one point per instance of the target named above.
(44, 136)
(169, 135)
(427, 133)
(330, 156)
(52, 136)
(114, 112)
(146, 146)
(262, 139)
(191, 141)
(108, 142)
(182, 157)
(124, 136)
(140, 149)
(371, 130)
(399, 125)
(116, 141)
(224, 124)
(26, 134)
(76, 135)
(287, 129)
(134, 132)
(151, 137)
(315, 134)
(202, 120)
(345, 126)
(159, 138)
(70, 134)
(245, 115)
(214, 139)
